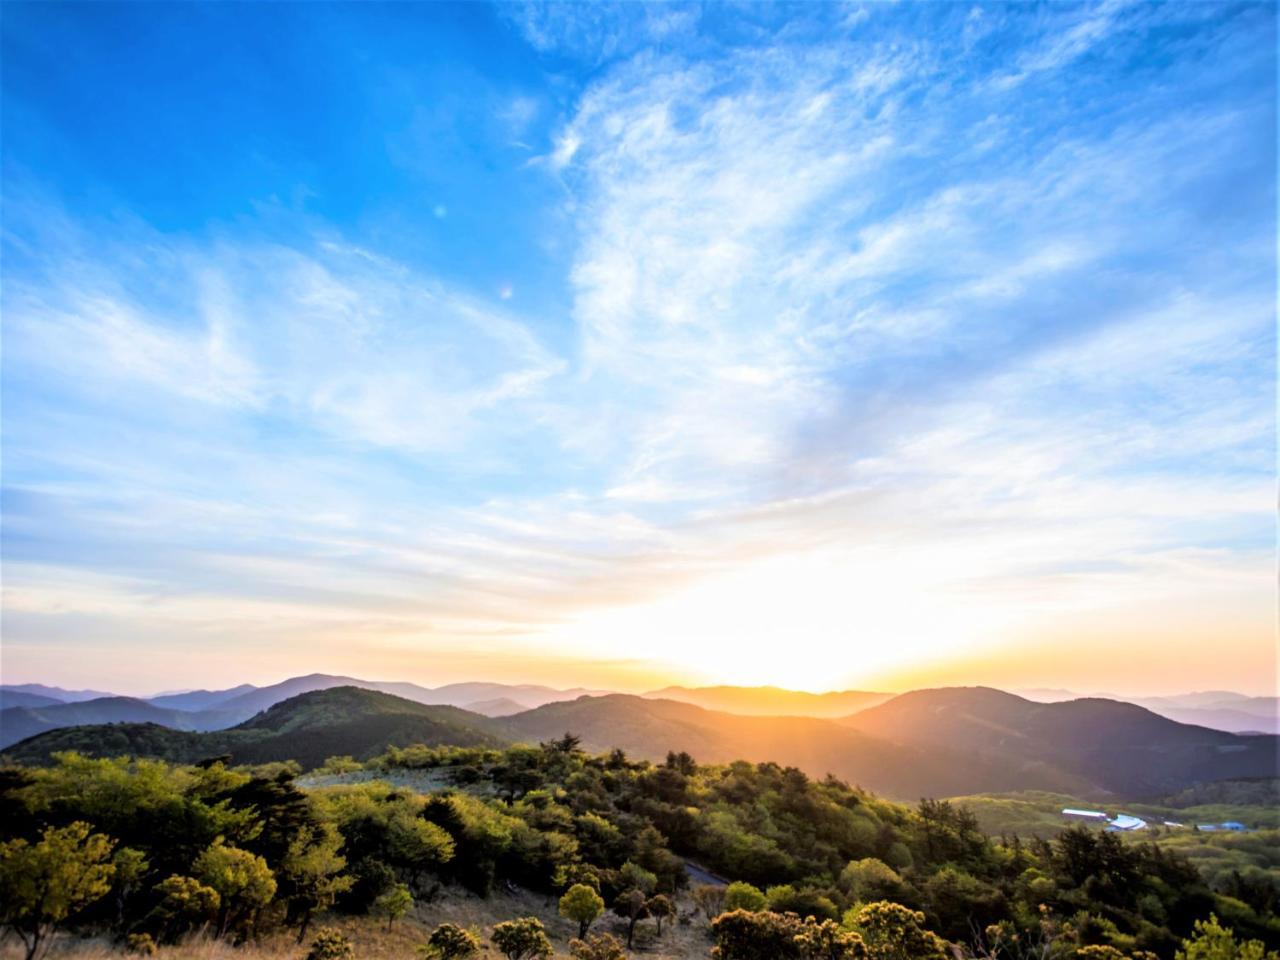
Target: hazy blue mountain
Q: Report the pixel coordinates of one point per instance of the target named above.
(20, 698)
(55, 693)
(199, 699)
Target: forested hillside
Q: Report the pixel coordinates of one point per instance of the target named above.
(168, 850)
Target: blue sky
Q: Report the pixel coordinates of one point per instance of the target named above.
(626, 344)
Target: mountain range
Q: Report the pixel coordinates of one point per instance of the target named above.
(926, 743)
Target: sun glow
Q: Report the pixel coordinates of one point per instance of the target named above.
(816, 621)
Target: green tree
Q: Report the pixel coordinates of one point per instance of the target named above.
(393, 904)
(598, 946)
(661, 907)
(311, 871)
(582, 905)
(743, 896)
(449, 941)
(1212, 941)
(242, 879)
(43, 883)
(131, 867)
(894, 932)
(185, 902)
(522, 939)
(634, 906)
(870, 879)
(755, 935)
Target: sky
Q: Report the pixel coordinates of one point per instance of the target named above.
(827, 346)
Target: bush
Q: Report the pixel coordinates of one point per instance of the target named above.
(522, 939)
(140, 943)
(743, 896)
(598, 946)
(451, 942)
(331, 945)
(748, 935)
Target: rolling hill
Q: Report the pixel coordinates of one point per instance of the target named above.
(1117, 748)
(18, 723)
(308, 728)
(648, 728)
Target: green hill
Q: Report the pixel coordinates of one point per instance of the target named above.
(308, 728)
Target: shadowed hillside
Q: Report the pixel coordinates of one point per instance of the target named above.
(1116, 747)
(308, 728)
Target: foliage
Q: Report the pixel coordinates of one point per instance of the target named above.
(748, 935)
(393, 904)
(598, 946)
(243, 881)
(522, 939)
(448, 941)
(743, 896)
(1212, 941)
(44, 883)
(581, 904)
(330, 945)
(891, 931)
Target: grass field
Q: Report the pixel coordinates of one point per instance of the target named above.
(682, 940)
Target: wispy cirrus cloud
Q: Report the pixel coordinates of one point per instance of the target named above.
(868, 347)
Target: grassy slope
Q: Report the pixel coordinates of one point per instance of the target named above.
(373, 941)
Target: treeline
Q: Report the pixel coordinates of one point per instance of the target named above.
(152, 852)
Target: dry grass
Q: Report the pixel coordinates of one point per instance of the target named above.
(373, 941)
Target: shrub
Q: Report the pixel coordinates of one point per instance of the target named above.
(522, 939)
(449, 941)
(760, 935)
(140, 943)
(743, 896)
(330, 945)
(598, 946)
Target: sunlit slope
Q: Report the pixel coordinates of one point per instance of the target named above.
(649, 728)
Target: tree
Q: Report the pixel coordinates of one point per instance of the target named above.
(393, 904)
(184, 903)
(894, 932)
(635, 877)
(1212, 941)
(709, 898)
(449, 941)
(243, 881)
(43, 883)
(870, 879)
(582, 905)
(311, 873)
(522, 939)
(755, 935)
(598, 946)
(743, 896)
(634, 906)
(131, 867)
(660, 907)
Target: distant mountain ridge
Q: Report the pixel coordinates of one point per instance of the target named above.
(1118, 747)
(308, 728)
(773, 701)
(945, 742)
